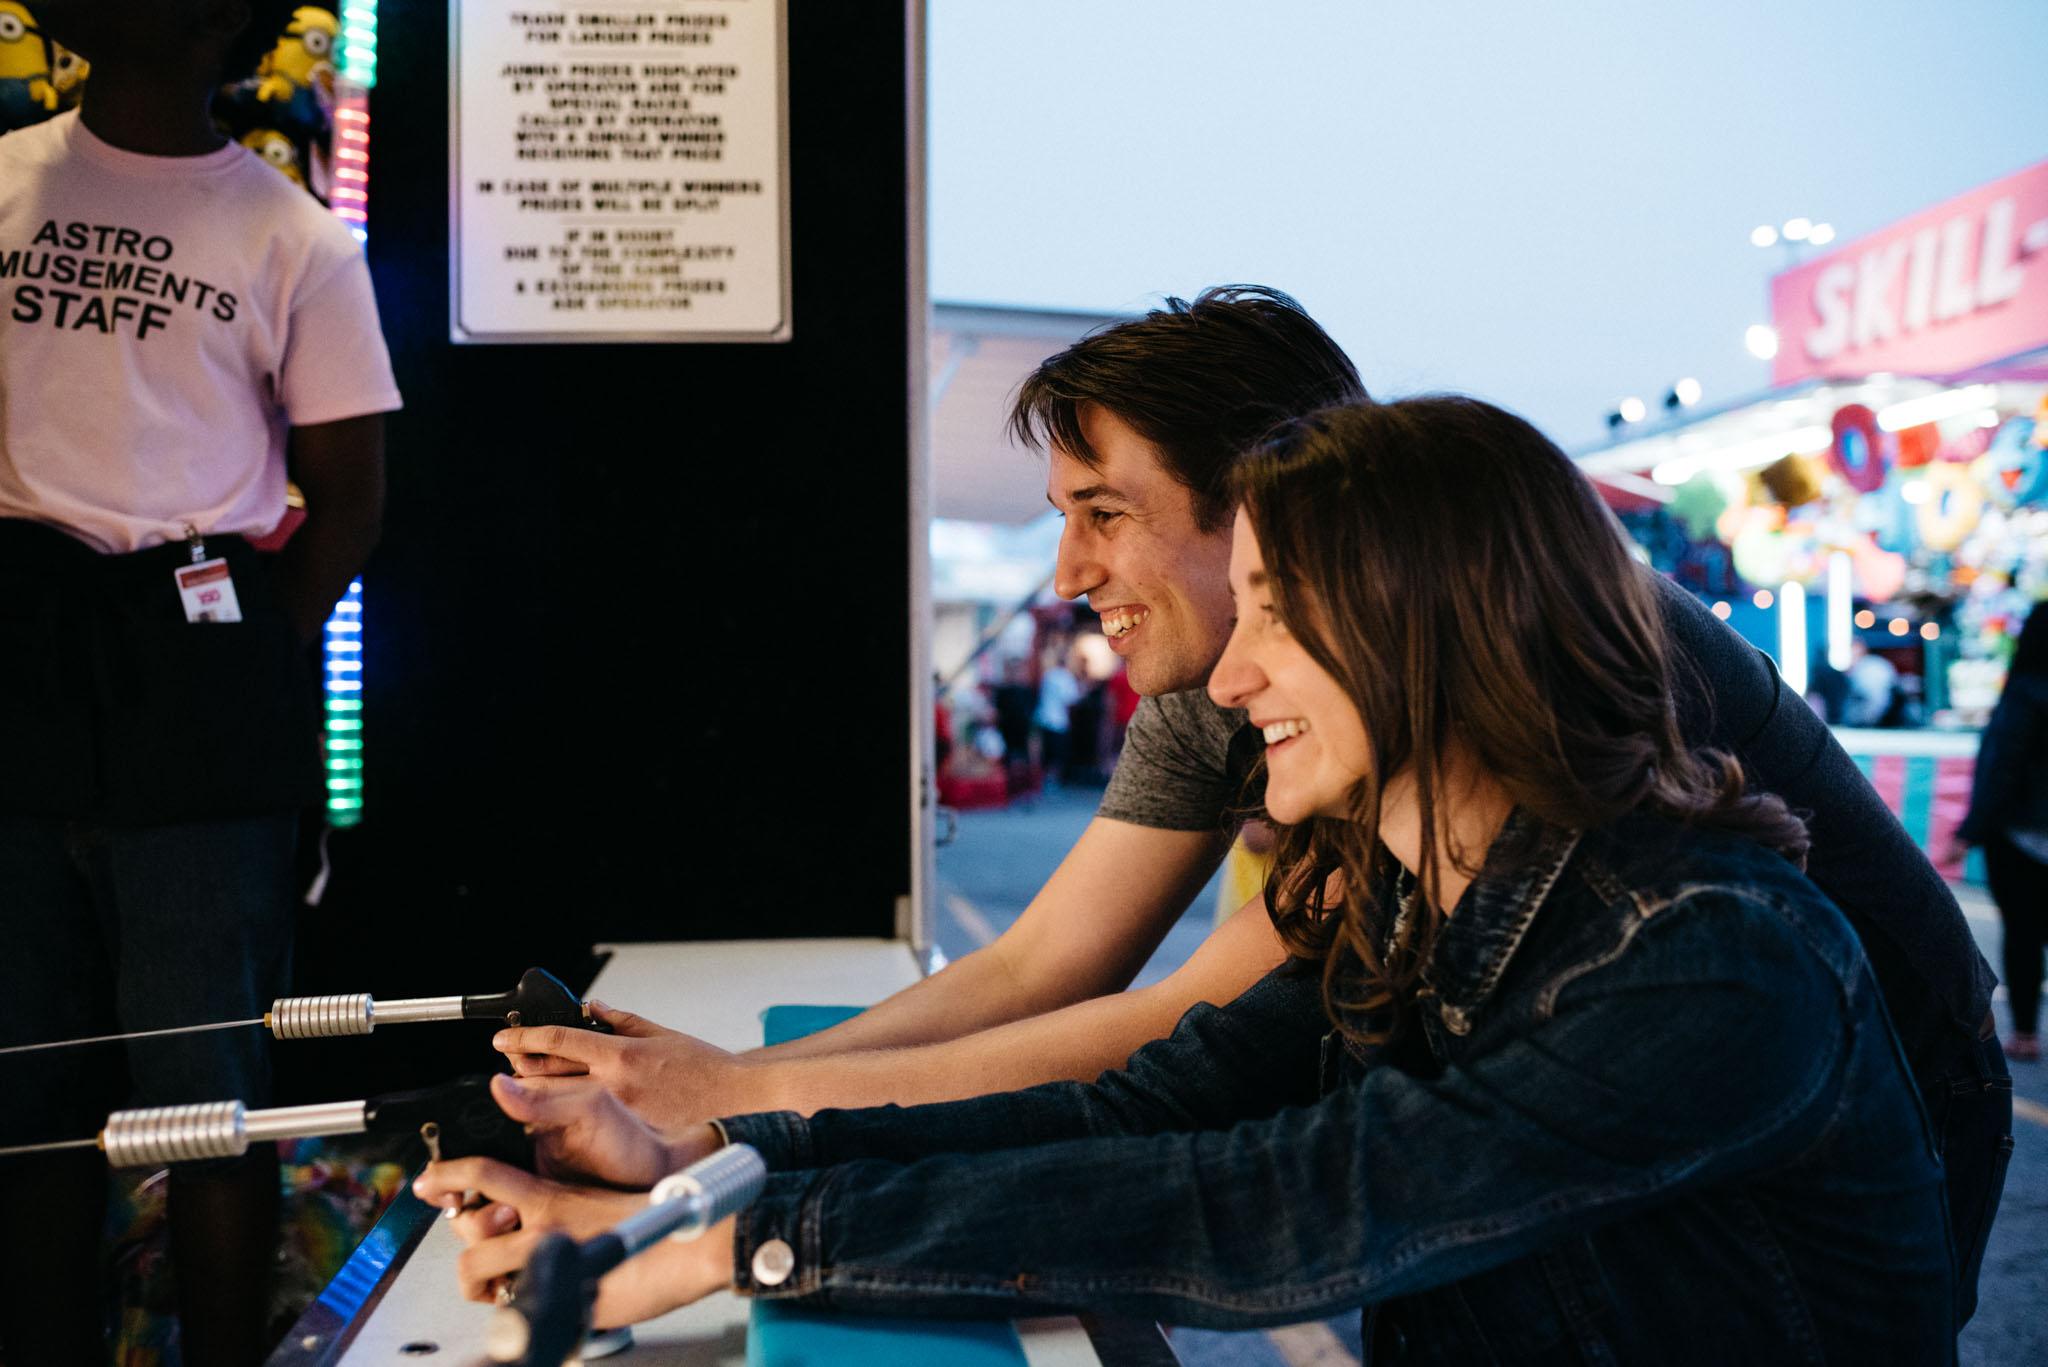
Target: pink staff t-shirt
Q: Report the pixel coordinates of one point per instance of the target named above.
(164, 323)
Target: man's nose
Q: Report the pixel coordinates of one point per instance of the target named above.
(1076, 570)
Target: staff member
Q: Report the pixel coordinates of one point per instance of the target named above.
(180, 328)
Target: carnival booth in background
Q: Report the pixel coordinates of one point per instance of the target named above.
(1878, 520)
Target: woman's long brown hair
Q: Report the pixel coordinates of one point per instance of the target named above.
(1460, 579)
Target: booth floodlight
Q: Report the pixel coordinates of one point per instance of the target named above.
(1792, 635)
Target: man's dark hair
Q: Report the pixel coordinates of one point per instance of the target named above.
(1204, 381)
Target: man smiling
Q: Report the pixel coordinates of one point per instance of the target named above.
(1143, 422)
(1138, 549)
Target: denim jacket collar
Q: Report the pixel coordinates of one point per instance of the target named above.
(1487, 925)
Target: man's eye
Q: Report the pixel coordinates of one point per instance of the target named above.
(1102, 517)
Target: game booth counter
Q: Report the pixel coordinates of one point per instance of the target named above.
(1887, 498)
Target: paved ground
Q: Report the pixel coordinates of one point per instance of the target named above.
(997, 863)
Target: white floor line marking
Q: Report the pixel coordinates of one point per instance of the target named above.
(1310, 1345)
(969, 918)
(2032, 1110)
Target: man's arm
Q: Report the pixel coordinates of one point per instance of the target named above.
(339, 467)
(676, 1081)
(1087, 933)
(1077, 1043)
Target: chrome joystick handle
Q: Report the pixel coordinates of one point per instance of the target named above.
(174, 1134)
(685, 1204)
(216, 1129)
(320, 1017)
(540, 998)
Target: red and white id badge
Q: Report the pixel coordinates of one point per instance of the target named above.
(208, 592)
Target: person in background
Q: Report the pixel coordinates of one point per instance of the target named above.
(1873, 687)
(2008, 816)
(182, 330)
(1058, 691)
(1827, 689)
(1015, 700)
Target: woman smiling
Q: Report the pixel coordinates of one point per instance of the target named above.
(1572, 1064)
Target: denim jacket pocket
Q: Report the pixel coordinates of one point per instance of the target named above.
(1548, 1307)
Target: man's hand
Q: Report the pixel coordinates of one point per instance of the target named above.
(582, 1133)
(672, 1079)
(523, 1207)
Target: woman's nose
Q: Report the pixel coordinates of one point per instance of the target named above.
(1235, 678)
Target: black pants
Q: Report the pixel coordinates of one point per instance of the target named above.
(2019, 884)
(119, 711)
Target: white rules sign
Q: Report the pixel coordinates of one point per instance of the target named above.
(620, 172)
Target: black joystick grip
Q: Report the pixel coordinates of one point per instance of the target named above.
(466, 1119)
(540, 999)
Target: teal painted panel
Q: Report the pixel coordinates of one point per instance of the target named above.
(783, 1335)
(781, 1024)
(1917, 800)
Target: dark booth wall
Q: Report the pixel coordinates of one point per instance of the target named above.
(637, 636)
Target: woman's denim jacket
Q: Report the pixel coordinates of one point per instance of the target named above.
(1649, 1110)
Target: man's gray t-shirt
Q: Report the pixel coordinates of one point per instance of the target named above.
(1184, 765)
(1187, 763)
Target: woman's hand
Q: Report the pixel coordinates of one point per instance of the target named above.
(523, 1207)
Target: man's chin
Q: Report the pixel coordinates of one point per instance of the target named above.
(1151, 679)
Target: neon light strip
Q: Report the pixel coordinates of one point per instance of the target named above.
(350, 196)
(349, 200)
(342, 655)
(359, 42)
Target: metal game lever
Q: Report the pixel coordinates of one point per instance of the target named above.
(550, 1312)
(539, 999)
(459, 1119)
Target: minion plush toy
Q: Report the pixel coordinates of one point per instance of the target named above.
(27, 94)
(277, 149)
(302, 63)
(68, 71)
